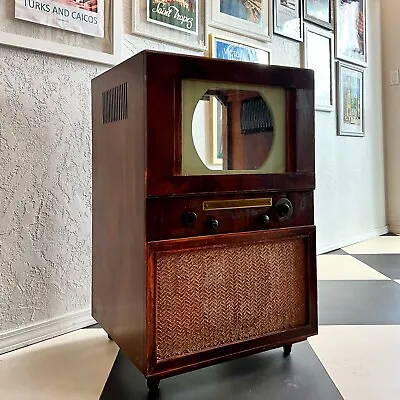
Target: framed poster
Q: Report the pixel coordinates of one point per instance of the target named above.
(350, 31)
(251, 18)
(227, 49)
(82, 16)
(288, 19)
(319, 12)
(64, 40)
(234, 50)
(318, 56)
(178, 22)
(350, 99)
(181, 15)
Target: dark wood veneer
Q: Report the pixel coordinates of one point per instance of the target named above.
(164, 215)
(140, 195)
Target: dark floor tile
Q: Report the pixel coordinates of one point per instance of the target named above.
(387, 264)
(263, 376)
(340, 252)
(359, 303)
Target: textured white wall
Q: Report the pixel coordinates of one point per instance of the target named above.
(391, 61)
(45, 175)
(45, 186)
(350, 195)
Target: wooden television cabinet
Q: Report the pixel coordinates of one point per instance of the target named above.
(203, 218)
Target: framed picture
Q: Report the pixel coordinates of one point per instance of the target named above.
(318, 55)
(288, 19)
(251, 18)
(24, 34)
(350, 31)
(227, 49)
(217, 119)
(319, 12)
(178, 22)
(350, 99)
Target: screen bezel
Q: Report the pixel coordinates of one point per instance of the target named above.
(164, 76)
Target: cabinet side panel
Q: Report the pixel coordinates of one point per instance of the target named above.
(119, 281)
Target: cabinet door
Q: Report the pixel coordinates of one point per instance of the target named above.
(212, 298)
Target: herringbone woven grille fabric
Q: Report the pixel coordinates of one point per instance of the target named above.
(208, 297)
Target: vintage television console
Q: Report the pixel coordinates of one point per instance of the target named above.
(203, 227)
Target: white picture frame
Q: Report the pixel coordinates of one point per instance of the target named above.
(241, 50)
(64, 50)
(143, 25)
(242, 27)
(350, 90)
(318, 55)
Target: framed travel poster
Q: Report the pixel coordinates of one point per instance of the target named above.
(288, 19)
(319, 12)
(179, 22)
(350, 24)
(350, 98)
(318, 56)
(251, 18)
(181, 14)
(233, 50)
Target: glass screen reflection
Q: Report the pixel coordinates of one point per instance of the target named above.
(233, 129)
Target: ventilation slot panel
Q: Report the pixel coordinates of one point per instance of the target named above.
(115, 104)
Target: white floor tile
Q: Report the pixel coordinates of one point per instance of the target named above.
(363, 361)
(379, 245)
(73, 366)
(339, 267)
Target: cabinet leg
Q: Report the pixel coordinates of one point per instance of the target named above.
(287, 349)
(153, 384)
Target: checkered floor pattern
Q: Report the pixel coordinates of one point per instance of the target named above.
(356, 355)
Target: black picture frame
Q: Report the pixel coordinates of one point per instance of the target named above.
(310, 17)
(281, 11)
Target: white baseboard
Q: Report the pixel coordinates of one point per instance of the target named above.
(394, 229)
(353, 239)
(21, 337)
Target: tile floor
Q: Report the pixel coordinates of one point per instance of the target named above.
(356, 355)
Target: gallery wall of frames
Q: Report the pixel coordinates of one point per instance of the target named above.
(332, 35)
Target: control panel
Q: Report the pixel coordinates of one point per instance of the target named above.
(197, 216)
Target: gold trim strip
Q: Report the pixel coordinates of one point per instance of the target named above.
(234, 204)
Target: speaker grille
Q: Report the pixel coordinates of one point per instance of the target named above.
(115, 104)
(209, 297)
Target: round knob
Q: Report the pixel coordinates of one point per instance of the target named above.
(284, 209)
(189, 218)
(265, 219)
(213, 224)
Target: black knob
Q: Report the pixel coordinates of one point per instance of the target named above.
(283, 209)
(189, 218)
(213, 224)
(264, 219)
